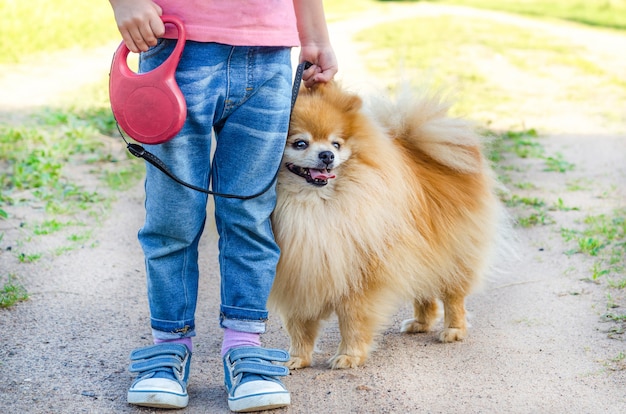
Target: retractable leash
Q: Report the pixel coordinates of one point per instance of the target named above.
(151, 109)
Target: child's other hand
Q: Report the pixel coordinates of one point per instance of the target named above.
(324, 65)
(139, 23)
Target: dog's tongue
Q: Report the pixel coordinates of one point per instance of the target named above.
(320, 174)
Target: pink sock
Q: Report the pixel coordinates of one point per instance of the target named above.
(236, 339)
(184, 341)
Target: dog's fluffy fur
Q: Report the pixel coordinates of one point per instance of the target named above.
(376, 207)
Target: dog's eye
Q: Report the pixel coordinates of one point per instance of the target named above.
(336, 145)
(300, 144)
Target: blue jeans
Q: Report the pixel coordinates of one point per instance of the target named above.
(243, 95)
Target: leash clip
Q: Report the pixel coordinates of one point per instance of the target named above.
(136, 149)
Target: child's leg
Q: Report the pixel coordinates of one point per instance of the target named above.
(175, 217)
(250, 142)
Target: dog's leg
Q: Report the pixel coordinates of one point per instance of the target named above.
(302, 334)
(424, 316)
(357, 324)
(455, 324)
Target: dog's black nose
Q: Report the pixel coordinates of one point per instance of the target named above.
(327, 157)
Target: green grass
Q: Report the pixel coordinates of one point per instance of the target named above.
(600, 13)
(580, 184)
(560, 206)
(36, 155)
(50, 25)
(58, 169)
(12, 292)
(602, 237)
(558, 164)
(458, 54)
(464, 55)
(528, 211)
(29, 258)
(523, 143)
(603, 13)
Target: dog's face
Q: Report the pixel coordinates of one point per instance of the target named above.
(319, 134)
(314, 160)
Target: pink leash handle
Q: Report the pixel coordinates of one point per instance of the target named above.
(149, 106)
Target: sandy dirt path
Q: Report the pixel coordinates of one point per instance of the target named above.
(537, 342)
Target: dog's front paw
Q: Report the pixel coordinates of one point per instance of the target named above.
(413, 326)
(345, 361)
(298, 362)
(452, 334)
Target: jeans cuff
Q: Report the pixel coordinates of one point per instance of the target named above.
(243, 320)
(166, 336)
(162, 329)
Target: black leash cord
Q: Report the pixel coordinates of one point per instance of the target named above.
(140, 152)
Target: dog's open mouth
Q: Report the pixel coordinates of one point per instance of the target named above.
(311, 175)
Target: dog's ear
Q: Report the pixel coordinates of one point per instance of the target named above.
(332, 93)
(352, 103)
(348, 102)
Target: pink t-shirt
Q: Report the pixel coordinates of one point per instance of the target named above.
(235, 22)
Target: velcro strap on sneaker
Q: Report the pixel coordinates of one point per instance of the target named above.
(277, 355)
(159, 349)
(160, 357)
(155, 363)
(260, 368)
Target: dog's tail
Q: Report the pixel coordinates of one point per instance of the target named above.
(420, 120)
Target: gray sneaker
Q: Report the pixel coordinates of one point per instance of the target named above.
(162, 374)
(250, 379)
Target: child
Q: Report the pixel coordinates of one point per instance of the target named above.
(235, 73)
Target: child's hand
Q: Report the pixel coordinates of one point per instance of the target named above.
(324, 64)
(139, 22)
(315, 45)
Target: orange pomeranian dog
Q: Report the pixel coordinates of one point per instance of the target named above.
(375, 207)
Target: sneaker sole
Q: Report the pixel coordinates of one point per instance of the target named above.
(259, 402)
(157, 399)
